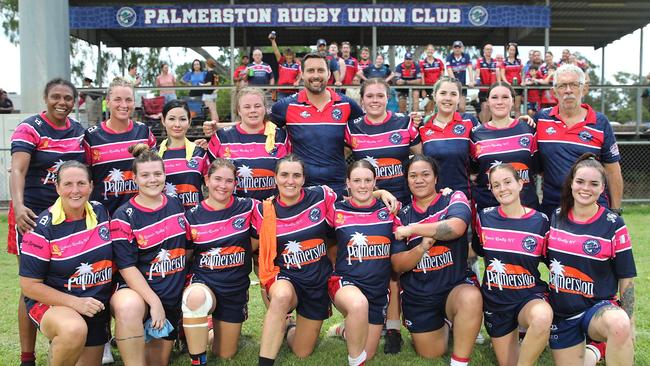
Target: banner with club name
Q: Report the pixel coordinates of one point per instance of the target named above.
(301, 15)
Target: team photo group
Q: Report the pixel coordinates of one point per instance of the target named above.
(121, 236)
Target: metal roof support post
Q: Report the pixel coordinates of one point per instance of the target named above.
(374, 38)
(602, 80)
(638, 90)
(232, 68)
(100, 62)
(547, 32)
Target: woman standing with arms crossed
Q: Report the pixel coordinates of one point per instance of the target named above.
(513, 293)
(185, 162)
(66, 271)
(39, 145)
(220, 266)
(585, 278)
(149, 247)
(437, 286)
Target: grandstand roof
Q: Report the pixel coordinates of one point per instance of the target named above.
(573, 23)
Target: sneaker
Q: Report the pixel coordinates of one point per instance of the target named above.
(336, 330)
(393, 342)
(479, 338)
(107, 357)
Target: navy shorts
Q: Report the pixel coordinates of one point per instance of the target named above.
(232, 307)
(98, 326)
(501, 323)
(313, 303)
(427, 316)
(567, 332)
(377, 302)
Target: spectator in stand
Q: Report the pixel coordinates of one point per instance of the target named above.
(545, 76)
(351, 64)
(408, 73)
(533, 94)
(239, 76)
(209, 97)
(646, 92)
(6, 105)
(321, 47)
(93, 102)
(459, 66)
(259, 72)
(132, 76)
(194, 77)
(531, 56)
(166, 78)
(487, 74)
(377, 70)
(432, 68)
(565, 57)
(511, 72)
(364, 61)
(289, 70)
(536, 60)
(334, 54)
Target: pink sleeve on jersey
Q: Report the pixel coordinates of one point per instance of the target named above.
(35, 245)
(121, 230)
(214, 146)
(330, 198)
(256, 216)
(151, 140)
(348, 135)
(533, 144)
(26, 133)
(413, 131)
(622, 240)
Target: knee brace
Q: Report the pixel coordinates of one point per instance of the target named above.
(203, 310)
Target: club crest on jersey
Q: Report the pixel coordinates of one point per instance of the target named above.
(585, 136)
(314, 214)
(193, 163)
(550, 131)
(239, 223)
(524, 141)
(103, 233)
(459, 129)
(591, 247)
(337, 114)
(429, 132)
(395, 138)
(382, 215)
(305, 114)
(529, 244)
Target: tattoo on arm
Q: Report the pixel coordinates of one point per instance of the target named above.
(627, 299)
(444, 232)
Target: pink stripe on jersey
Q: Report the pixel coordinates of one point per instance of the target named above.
(512, 241)
(366, 142)
(79, 243)
(155, 234)
(622, 239)
(499, 145)
(26, 133)
(300, 222)
(35, 245)
(346, 218)
(114, 151)
(70, 145)
(121, 230)
(175, 166)
(247, 150)
(212, 231)
(587, 246)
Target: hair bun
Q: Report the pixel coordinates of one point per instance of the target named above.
(138, 149)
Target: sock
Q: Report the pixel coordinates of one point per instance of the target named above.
(27, 356)
(595, 350)
(458, 361)
(263, 361)
(199, 359)
(393, 324)
(340, 330)
(359, 360)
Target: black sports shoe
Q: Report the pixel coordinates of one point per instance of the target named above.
(393, 342)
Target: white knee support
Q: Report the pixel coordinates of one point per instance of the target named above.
(203, 310)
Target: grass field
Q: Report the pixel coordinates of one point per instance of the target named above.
(331, 351)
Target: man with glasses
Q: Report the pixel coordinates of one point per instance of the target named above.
(459, 66)
(567, 131)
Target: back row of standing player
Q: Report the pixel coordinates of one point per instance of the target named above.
(296, 111)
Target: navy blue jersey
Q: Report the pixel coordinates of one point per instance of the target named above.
(69, 257)
(301, 232)
(514, 248)
(49, 146)
(363, 237)
(259, 74)
(516, 145)
(586, 260)
(107, 153)
(408, 73)
(154, 242)
(459, 65)
(221, 243)
(445, 264)
(255, 165)
(184, 177)
(318, 136)
(387, 147)
(450, 147)
(372, 71)
(561, 146)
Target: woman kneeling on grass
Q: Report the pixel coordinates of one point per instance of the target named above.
(512, 238)
(66, 269)
(149, 247)
(437, 287)
(219, 237)
(586, 276)
(359, 285)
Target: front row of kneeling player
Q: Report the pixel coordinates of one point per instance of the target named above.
(196, 264)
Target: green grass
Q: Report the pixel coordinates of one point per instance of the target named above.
(331, 351)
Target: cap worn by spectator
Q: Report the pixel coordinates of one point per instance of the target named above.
(408, 56)
(458, 44)
(321, 42)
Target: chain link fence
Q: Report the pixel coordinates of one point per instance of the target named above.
(635, 165)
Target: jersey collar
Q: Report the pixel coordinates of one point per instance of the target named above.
(302, 96)
(43, 116)
(457, 118)
(590, 118)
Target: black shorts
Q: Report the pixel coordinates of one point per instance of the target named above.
(501, 323)
(377, 301)
(232, 307)
(313, 303)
